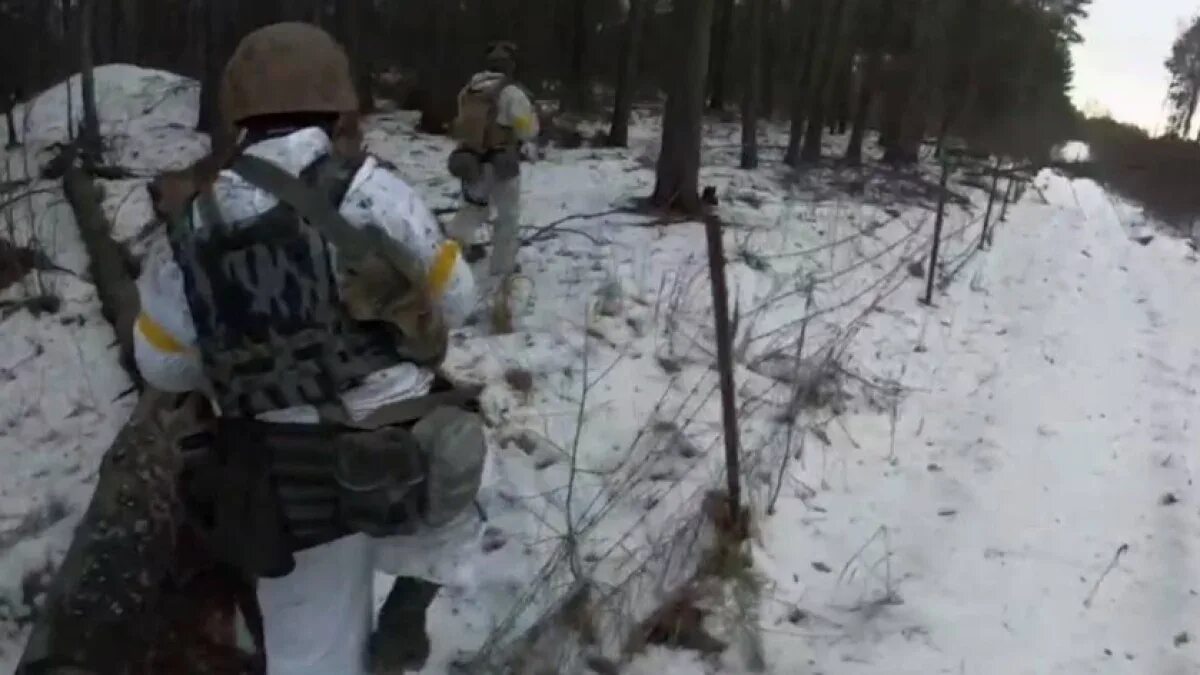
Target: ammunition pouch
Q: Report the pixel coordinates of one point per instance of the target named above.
(465, 165)
(506, 162)
(267, 490)
(379, 475)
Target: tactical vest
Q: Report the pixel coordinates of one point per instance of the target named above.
(475, 127)
(264, 297)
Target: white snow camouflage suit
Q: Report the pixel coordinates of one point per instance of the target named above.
(514, 111)
(318, 618)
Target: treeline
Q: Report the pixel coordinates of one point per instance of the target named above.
(993, 72)
(1160, 174)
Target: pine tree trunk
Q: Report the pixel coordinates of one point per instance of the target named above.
(127, 38)
(754, 34)
(33, 13)
(985, 237)
(440, 105)
(11, 103)
(66, 29)
(1008, 195)
(862, 108)
(834, 15)
(818, 82)
(770, 61)
(618, 134)
(102, 32)
(1191, 112)
(916, 84)
(216, 26)
(896, 144)
(804, 73)
(353, 17)
(90, 142)
(943, 132)
(677, 183)
(578, 89)
(843, 85)
(718, 62)
(937, 232)
(116, 28)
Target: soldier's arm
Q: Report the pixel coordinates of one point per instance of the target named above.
(516, 111)
(164, 337)
(379, 196)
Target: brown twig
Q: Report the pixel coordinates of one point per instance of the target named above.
(1121, 550)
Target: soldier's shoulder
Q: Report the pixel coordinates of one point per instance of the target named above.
(516, 88)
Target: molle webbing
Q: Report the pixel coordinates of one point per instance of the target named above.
(265, 300)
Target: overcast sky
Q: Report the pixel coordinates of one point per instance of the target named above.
(1120, 64)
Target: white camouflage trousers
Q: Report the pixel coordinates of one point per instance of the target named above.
(479, 198)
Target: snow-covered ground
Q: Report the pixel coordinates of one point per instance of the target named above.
(963, 484)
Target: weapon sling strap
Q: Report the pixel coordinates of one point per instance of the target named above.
(352, 242)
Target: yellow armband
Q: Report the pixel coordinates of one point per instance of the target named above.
(523, 125)
(157, 336)
(443, 267)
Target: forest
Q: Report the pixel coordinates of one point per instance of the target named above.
(993, 73)
(750, 228)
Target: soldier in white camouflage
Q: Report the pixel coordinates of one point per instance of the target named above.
(307, 291)
(495, 127)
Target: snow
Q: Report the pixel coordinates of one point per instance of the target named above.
(960, 493)
(63, 395)
(1074, 151)
(146, 118)
(1048, 416)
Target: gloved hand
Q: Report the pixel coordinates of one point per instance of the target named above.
(529, 152)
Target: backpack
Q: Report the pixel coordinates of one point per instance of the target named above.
(280, 320)
(475, 127)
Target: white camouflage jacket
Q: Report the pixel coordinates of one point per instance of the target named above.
(165, 337)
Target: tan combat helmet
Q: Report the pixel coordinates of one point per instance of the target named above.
(285, 68)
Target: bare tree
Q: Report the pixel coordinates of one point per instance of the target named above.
(677, 182)
(755, 18)
(987, 215)
(1184, 90)
(915, 82)
(770, 48)
(578, 87)
(862, 107)
(438, 106)
(627, 70)
(351, 19)
(808, 25)
(874, 44)
(218, 24)
(836, 35)
(718, 62)
(89, 135)
(14, 97)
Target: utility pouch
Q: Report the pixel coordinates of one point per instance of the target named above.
(506, 163)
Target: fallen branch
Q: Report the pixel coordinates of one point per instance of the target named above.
(26, 195)
(37, 305)
(108, 263)
(1121, 550)
(569, 230)
(136, 591)
(543, 229)
(100, 609)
